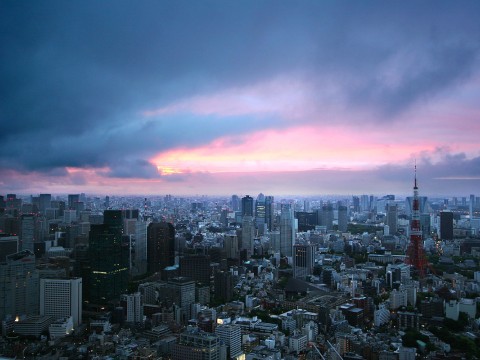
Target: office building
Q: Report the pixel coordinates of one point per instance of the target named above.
(61, 298)
(133, 307)
(230, 335)
(446, 225)
(196, 267)
(73, 199)
(303, 260)
(160, 246)
(287, 230)
(247, 206)
(19, 285)
(342, 218)
(108, 277)
(392, 218)
(195, 344)
(270, 212)
(183, 292)
(8, 245)
(223, 286)
(27, 235)
(248, 234)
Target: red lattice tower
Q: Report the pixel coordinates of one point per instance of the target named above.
(416, 253)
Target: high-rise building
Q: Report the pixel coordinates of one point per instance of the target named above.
(27, 232)
(230, 245)
(196, 267)
(223, 285)
(248, 234)
(73, 199)
(446, 225)
(270, 212)
(19, 285)
(44, 202)
(160, 246)
(61, 298)
(392, 218)
(471, 206)
(260, 212)
(139, 261)
(195, 344)
(235, 203)
(230, 335)
(303, 260)
(134, 307)
(183, 291)
(327, 216)
(287, 230)
(247, 206)
(109, 259)
(342, 218)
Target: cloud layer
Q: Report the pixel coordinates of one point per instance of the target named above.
(158, 93)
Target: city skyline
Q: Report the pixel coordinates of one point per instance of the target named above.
(221, 98)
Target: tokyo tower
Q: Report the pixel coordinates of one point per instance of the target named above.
(416, 253)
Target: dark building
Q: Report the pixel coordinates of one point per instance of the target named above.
(223, 284)
(306, 220)
(247, 206)
(196, 267)
(327, 216)
(160, 246)
(446, 225)
(8, 245)
(109, 259)
(73, 199)
(342, 218)
(432, 308)
(269, 212)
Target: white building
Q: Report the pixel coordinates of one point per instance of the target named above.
(381, 316)
(452, 309)
(398, 299)
(134, 307)
(61, 298)
(297, 343)
(231, 335)
(61, 328)
(468, 306)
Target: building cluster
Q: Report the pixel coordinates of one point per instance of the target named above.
(238, 278)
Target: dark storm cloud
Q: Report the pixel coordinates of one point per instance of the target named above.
(76, 75)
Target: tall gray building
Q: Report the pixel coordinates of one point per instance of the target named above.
(19, 285)
(287, 230)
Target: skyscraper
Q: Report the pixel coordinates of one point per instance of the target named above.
(287, 230)
(303, 260)
(183, 291)
(109, 259)
(392, 218)
(342, 218)
(260, 211)
(247, 206)
(269, 212)
(235, 203)
(27, 232)
(160, 246)
(19, 285)
(196, 267)
(248, 234)
(446, 225)
(61, 298)
(230, 335)
(73, 199)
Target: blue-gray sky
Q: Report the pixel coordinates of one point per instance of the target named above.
(201, 97)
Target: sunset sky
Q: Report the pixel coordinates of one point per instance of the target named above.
(239, 97)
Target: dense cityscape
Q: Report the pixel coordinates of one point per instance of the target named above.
(239, 180)
(361, 277)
